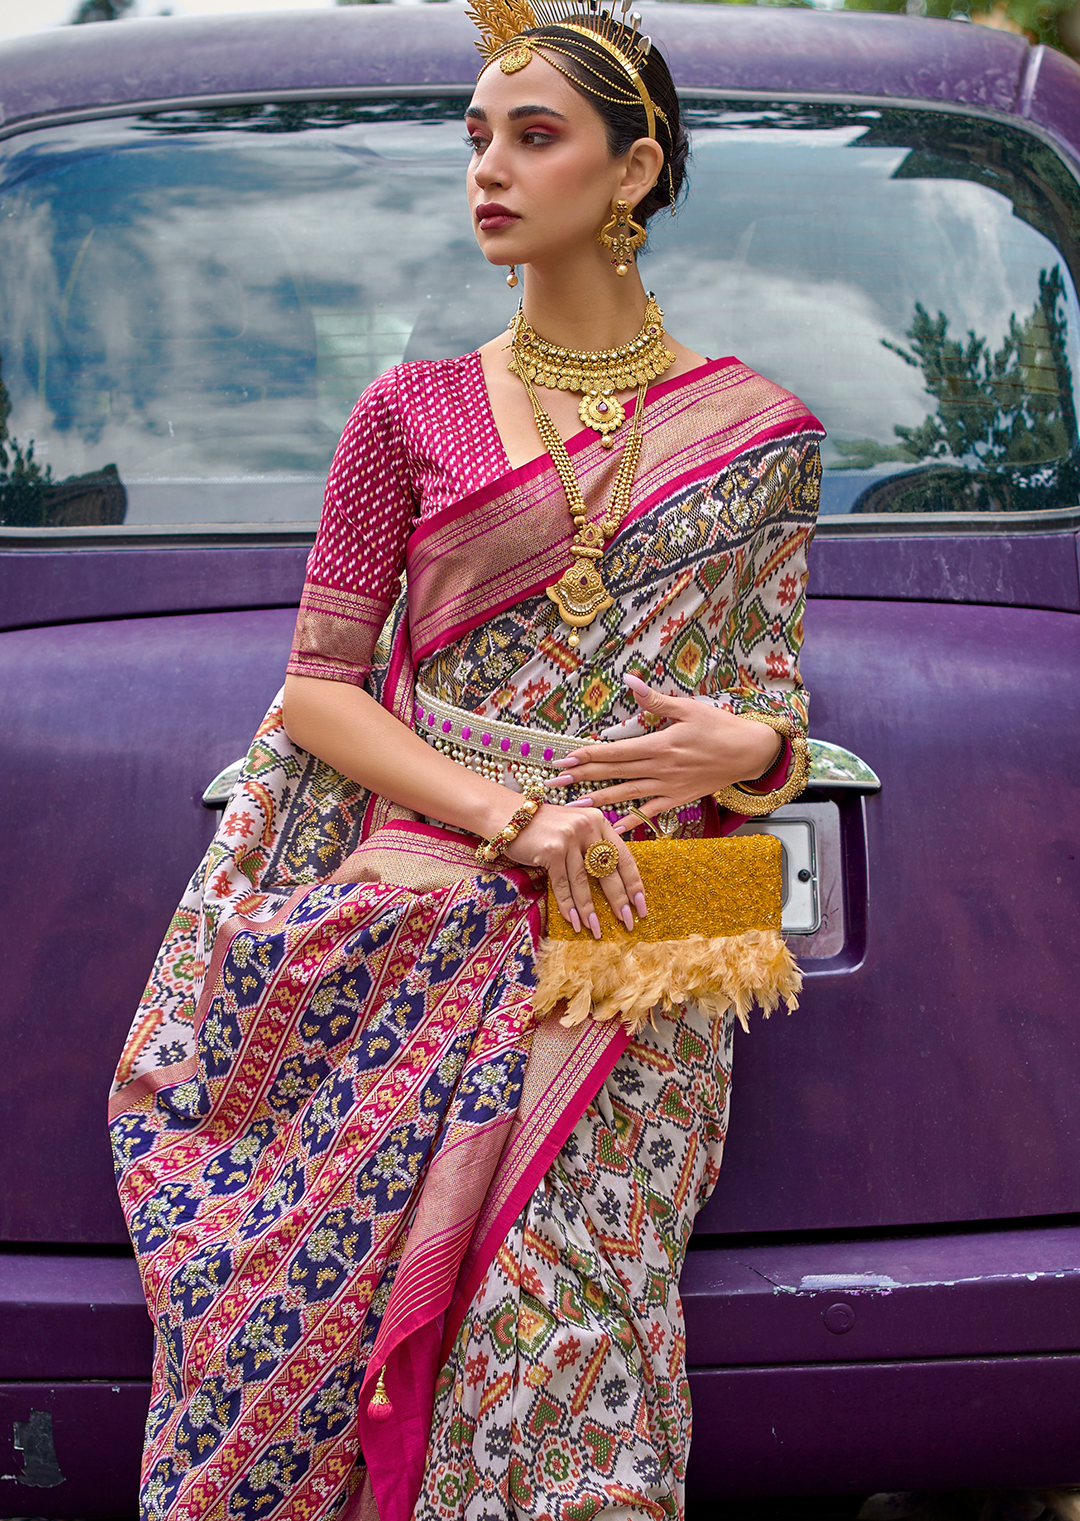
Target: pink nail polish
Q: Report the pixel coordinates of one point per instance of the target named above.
(569, 761)
(627, 916)
(594, 925)
(575, 921)
(639, 904)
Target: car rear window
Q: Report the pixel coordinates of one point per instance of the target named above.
(192, 300)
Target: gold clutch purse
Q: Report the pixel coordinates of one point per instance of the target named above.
(711, 937)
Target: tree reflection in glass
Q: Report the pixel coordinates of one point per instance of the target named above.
(30, 498)
(999, 413)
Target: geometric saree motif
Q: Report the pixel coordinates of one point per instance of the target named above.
(565, 1394)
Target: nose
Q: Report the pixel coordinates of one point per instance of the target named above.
(490, 169)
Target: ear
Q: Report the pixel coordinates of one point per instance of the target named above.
(643, 164)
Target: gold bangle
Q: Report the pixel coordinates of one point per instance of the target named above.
(489, 851)
(740, 799)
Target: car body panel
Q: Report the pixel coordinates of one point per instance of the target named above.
(51, 586)
(298, 51)
(125, 803)
(859, 1428)
(1004, 1292)
(41, 585)
(87, 1309)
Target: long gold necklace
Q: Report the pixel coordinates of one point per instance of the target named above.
(580, 593)
(597, 375)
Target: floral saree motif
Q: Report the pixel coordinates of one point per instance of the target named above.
(335, 1103)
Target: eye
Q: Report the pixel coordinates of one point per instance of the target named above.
(477, 144)
(537, 137)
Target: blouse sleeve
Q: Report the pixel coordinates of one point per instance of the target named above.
(354, 568)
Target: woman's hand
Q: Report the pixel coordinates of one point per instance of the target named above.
(700, 750)
(556, 840)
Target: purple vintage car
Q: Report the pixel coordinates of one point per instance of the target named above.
(195, 218)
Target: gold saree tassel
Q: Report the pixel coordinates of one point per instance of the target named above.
(380, 1407)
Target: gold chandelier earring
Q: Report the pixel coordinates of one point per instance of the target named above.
(622, 236)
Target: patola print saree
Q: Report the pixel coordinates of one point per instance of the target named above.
(335, 1103)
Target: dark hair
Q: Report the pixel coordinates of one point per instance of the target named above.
(590, 68)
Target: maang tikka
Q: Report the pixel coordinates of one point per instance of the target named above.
(622, 235)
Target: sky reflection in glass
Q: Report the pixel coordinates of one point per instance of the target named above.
(200, 297)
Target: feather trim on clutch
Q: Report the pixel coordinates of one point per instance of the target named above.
(711, 937)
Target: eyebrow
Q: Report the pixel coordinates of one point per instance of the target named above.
(518, 112)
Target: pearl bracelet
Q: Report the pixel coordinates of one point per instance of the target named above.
(490, 850)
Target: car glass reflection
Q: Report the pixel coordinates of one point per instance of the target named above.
(192, 300)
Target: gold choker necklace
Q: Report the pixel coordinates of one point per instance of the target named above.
(597, 375)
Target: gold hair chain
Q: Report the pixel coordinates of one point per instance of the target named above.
(505, 24)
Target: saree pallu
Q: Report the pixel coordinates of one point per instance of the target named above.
(334, 1103)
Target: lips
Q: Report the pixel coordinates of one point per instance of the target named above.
(491, 216)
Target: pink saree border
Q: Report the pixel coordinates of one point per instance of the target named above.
(448, 1267)
(523, 529)
(541, 464)
(544, 1129)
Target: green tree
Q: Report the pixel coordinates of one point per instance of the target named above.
(1012, 406)
(24, 486)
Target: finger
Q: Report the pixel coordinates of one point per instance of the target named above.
(581, 890)
(623, 792)
(651, 809)
(664, 704)
(619, 753)
(627, 771)
(633, 747)
(624, 889)
(564, 898)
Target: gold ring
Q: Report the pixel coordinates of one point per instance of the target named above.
(601, 859)
(645, 819)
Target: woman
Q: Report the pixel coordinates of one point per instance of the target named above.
(377, 1183)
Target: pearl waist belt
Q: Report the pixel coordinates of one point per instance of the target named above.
(493, 748)
(501, 751)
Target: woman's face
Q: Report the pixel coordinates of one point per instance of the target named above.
(540, 156)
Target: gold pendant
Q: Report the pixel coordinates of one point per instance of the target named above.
(580, 594)
(604, 412)
(516, 59)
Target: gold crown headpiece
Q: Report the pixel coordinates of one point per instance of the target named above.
(503, 23)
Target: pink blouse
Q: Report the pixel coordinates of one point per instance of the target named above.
(420, 438)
